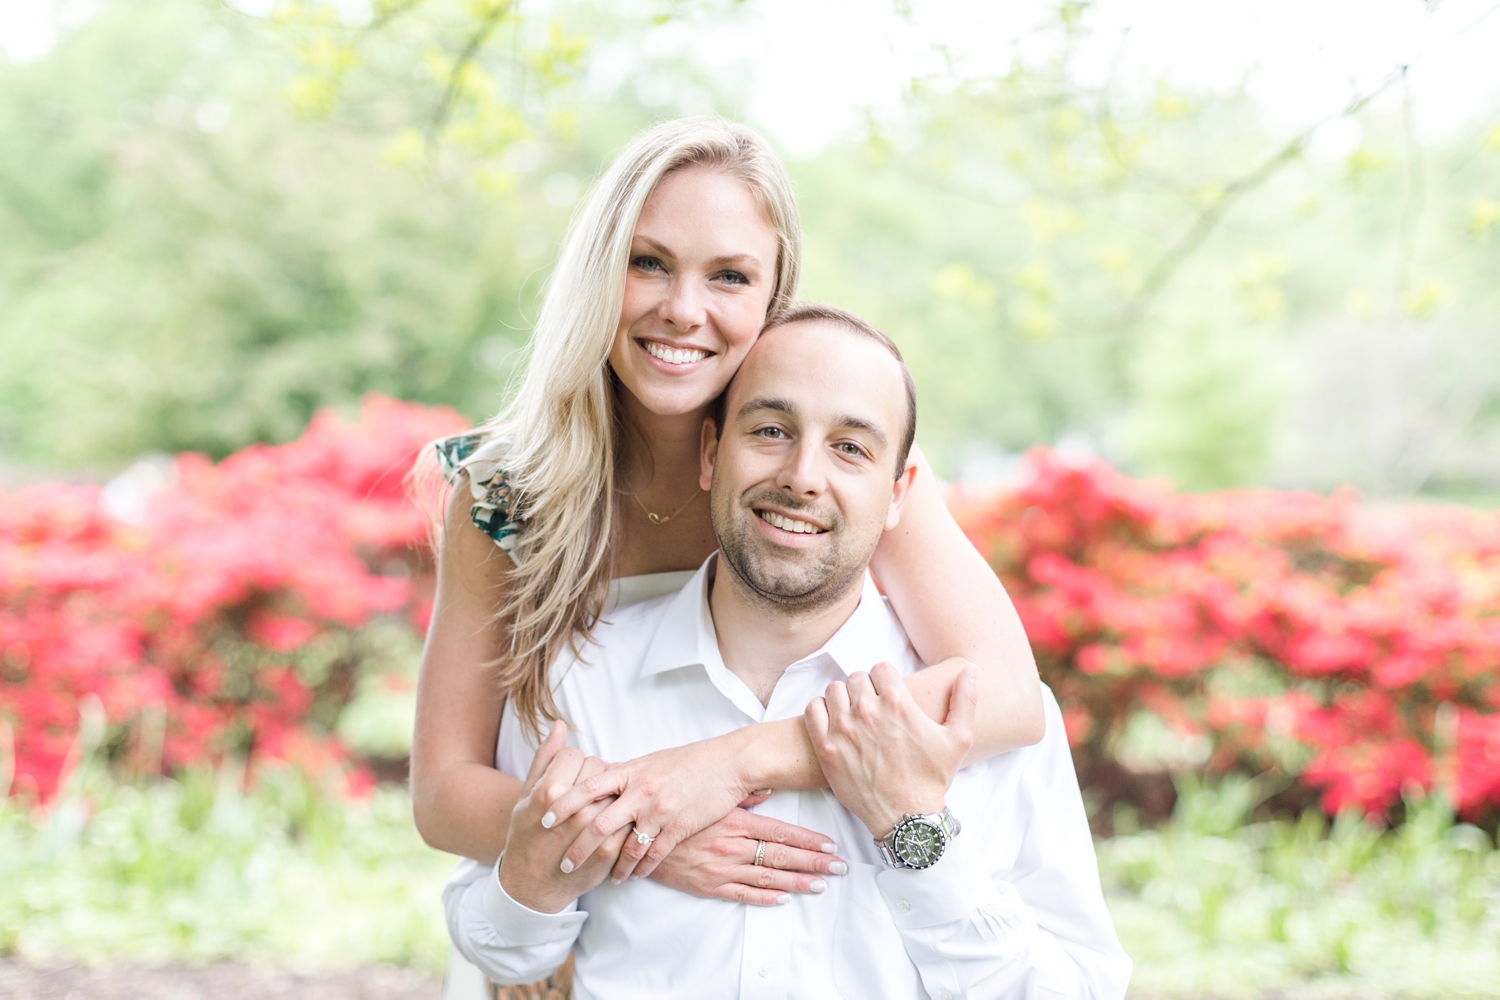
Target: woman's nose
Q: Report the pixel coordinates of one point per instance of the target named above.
(686, 306)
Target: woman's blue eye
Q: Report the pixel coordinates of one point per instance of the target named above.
(735, 278)
(646, 263)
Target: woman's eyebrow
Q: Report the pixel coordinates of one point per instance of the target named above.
(660, 249)
(743, 261)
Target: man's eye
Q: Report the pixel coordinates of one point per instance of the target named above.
(852, 450)
(772, 432)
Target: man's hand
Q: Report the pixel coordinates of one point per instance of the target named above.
(531, 869)
(882, 755)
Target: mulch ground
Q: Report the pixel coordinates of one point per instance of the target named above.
(19, 981)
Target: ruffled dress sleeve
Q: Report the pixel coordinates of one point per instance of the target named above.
(491, 511)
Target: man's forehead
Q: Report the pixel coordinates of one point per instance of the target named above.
(816, 354)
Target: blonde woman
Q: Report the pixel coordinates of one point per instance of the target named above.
(583, 493)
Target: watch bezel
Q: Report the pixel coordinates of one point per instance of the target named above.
(906, 823)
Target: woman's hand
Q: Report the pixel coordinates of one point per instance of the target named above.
(532, 869)
(668, 796)
(719, 862)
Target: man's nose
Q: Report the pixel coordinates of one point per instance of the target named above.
(802, 473)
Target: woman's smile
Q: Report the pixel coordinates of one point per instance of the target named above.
(674, 358)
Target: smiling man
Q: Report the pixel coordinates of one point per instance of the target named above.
(978, 882)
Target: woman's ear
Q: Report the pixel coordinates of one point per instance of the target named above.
(899, 489)
(708, 451)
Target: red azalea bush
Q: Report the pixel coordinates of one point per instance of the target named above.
(1354, 647)
(226, 620)
(1360, 645)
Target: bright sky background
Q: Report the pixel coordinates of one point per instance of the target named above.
(822, 61)
(816, 65)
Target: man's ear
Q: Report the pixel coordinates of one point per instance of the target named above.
(708, 452)
(899, 489)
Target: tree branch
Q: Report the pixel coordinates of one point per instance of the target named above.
(1208, 219)
(470, 52)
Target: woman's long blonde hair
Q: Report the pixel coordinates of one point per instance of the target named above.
(558, 438)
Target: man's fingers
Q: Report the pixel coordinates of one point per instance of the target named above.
(963, 698)
(609, 781)
(551, 746)
(836, 698)
(860, 689)
(816, 718)
(888, 681)
(775, 831)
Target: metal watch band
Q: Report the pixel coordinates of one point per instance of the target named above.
(944, 821)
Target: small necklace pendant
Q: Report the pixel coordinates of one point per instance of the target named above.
(657, 518)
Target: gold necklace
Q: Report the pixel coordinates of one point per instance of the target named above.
(657, 518)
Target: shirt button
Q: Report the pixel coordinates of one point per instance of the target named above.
(765, 970)
(945, 995)
(904, 906)
(568, 925)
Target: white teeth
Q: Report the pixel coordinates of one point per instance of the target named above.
(787, 524)
(673, 356)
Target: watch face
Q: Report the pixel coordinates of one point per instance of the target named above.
(919, 843)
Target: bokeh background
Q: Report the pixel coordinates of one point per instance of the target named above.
(1203, 306)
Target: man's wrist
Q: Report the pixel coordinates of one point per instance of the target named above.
(884, 818)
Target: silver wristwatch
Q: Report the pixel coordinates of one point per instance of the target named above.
(918, 841)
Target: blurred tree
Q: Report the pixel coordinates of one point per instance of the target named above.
(215, 221)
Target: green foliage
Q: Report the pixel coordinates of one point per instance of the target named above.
(215, 223)
(1213, 904)
(288, 873)
(291, 875)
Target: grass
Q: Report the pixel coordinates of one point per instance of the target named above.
(290, 875)
(1209, 905)
(197, 870)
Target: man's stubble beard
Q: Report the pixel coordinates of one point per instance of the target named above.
(796, 586)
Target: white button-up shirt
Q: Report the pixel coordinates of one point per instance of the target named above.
(1013, 908)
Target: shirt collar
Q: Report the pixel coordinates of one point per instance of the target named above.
(685, 637)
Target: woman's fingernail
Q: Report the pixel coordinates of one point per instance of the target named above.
(817, 885)
(548, 819)
(566, 866)
(615, 881)
(763, 791)
(827, 847)
(783, 899)
(838, 868)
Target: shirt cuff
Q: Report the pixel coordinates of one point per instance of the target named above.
(950, 890)
(520, 925)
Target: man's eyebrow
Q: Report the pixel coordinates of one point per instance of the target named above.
(757, 403)
(778, 404)
(861, 424)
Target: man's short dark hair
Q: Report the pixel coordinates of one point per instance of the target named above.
(817, 312)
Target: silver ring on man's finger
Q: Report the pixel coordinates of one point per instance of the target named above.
(643, 839)
(760, 852)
